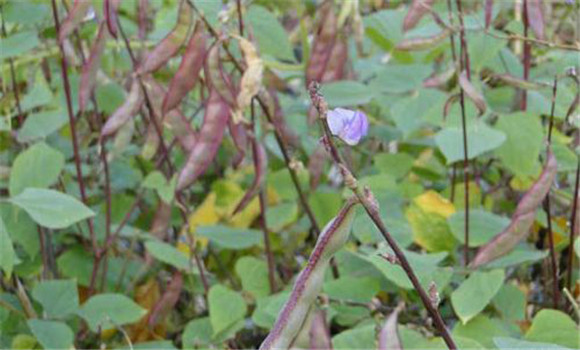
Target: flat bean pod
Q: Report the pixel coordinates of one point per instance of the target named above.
(309, 282)
(215, 121)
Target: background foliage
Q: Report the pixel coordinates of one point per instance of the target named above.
(118, 258)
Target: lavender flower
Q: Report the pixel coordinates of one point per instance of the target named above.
(349, 126)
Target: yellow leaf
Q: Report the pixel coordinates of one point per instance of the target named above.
(430, 229)
(433, 202)
(205, 214)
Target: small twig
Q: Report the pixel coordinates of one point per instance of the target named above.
(527, 56)
(553, 262)
(73, 132)
(240, 20)
(24, 299)
(464, 64)
(263, 208)
(572, 302)
(573, 227)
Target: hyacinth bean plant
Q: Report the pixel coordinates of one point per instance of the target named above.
(296, 174)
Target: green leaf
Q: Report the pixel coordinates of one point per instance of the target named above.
(110, 310)
(167, 254)
(18, 44)
(254, 275)
(553, 326)
(483, 226)
(51, 208)
(271, 36)
(281, 215)
(226, 308)
(398, 78)
(230, 238)
(362, 337)
(360, 289)
(7, 254)
(346, 93)
(481, 329)
(21, 228)
(40, 125)
(519, 153)
(475, 293)
(510, 302)
(505, 343)
(395, 164)
(165, 189)
(480, 139)
(425, 266)
(197, 334)
(324, 205)
(267, 309)
(39, 95)
(52, 334)
(59, 298)
(38, 166)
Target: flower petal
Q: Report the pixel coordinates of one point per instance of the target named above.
(337, 119)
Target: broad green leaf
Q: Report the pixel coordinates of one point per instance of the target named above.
(39, 95)
(362, 337)
(395, 164)
(254, 275)
(411, 112)
(346, 93)
(197, 334)
(425, 266)
(483, 226)
(26, 13)
(110, 310)
(281, 215)
(230, 238)
(52, 334)
(577, 246)
(505, 343)
(480, 139)
(59, 298)
(7, 254)
(38, 167)
(21, 228)
(554, 326)
(165, 189)
(510, 302)
(361, 289)
(109, 97)
(42, 124)
(226, 308)
(324, 205)
(395, 78)
(168, 254)
(18, 44)
(481, 329)
(524, 140)
(475, 293)
(271, 36)
(51, 208)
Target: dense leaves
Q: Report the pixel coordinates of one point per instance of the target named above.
(170, 174)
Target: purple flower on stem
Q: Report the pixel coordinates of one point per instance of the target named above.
(349, 126)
